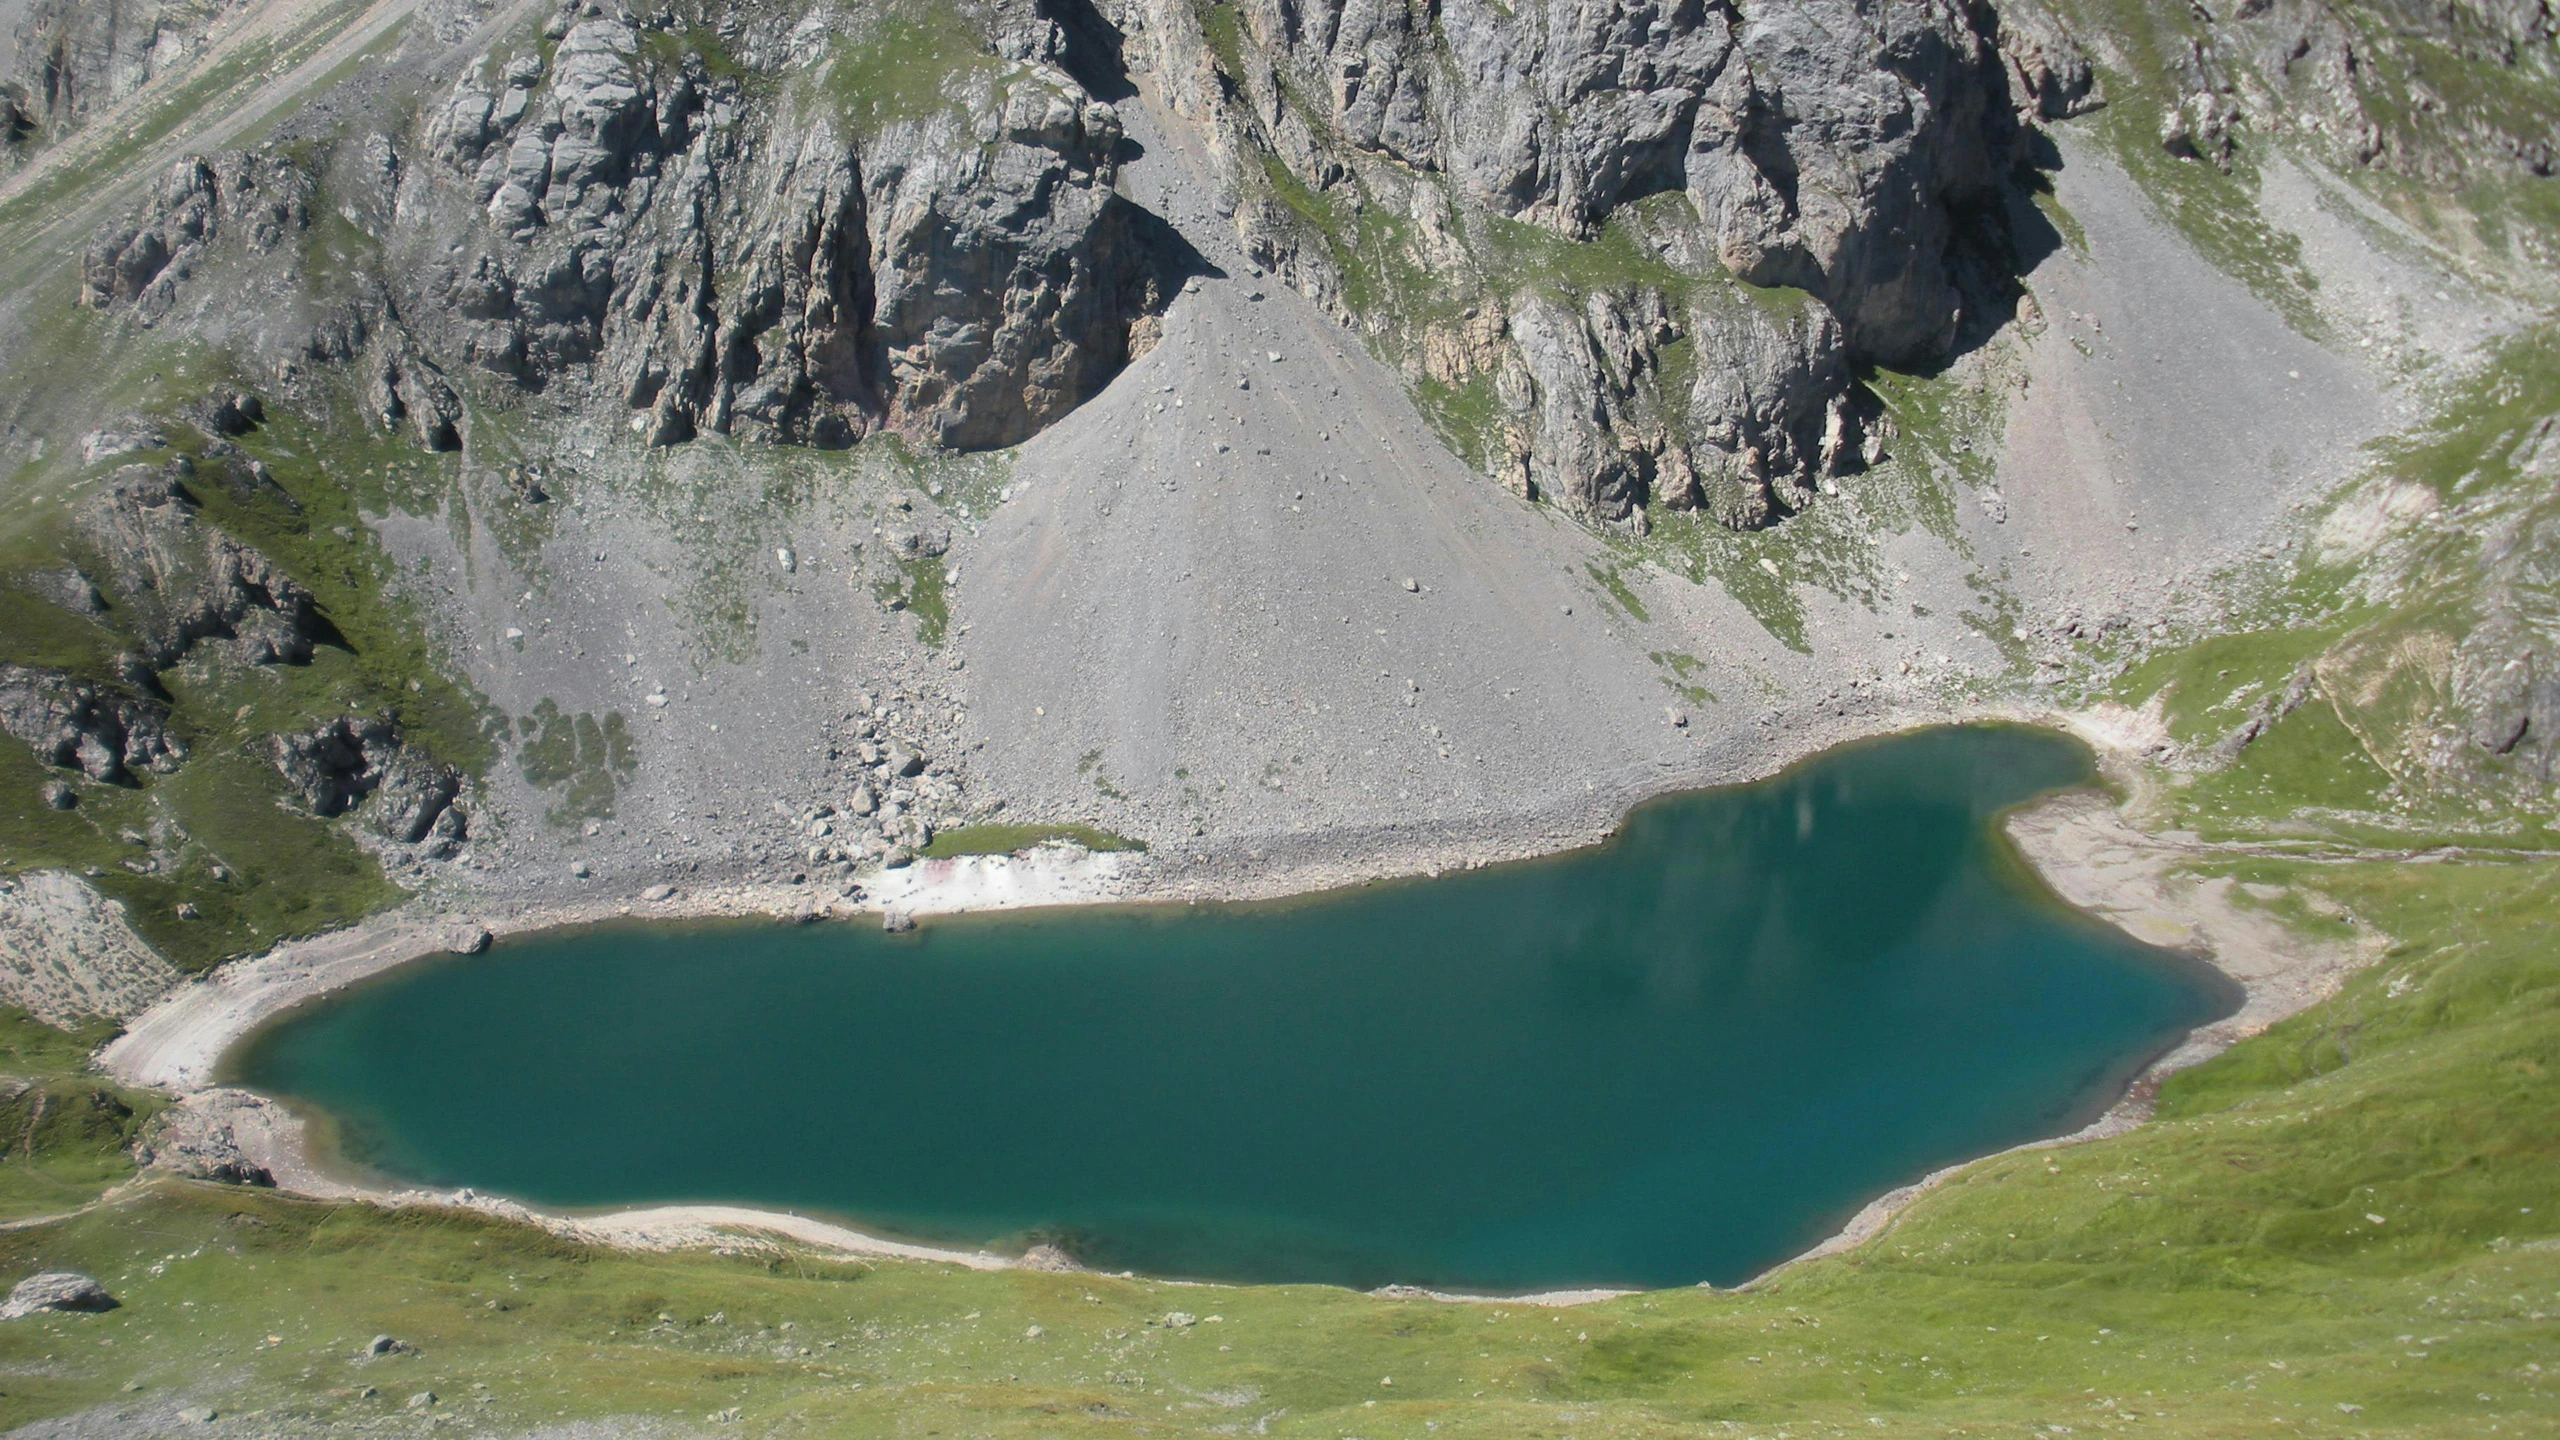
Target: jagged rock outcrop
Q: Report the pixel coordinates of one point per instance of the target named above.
(799, 269)
(178, 578)
(2049, 72)
(104, 733)
(2504, 684)
(17, 122)
(256, 202)
(729, 223)
(1758, 411)
(200, 1138)
(730, 234)
(360, 763)
(1859, 152)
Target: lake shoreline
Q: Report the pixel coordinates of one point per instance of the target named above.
(2079, 844)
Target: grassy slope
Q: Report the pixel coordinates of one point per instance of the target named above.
(2322, 770)
(226, 810)
(63, 1133)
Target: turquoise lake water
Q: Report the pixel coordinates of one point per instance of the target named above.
(1680, 1056)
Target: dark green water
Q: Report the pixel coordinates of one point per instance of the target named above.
(1682, 1056)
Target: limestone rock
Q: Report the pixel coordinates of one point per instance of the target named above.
(2049, 73)
(1850, 150)
(254, 201)
(61, 1290)
(181, 579)
(200, 1138)
(629, 225)
(361, 763)
(62, 61)
(107, 734)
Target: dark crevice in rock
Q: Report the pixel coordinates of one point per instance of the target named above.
(79, 724)
(361, 764)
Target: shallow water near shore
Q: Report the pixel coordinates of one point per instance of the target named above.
(1680, 1056)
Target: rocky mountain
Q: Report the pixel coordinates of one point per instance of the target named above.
(549, 440)
(1728, 157)
(773, 231)
(779, 241)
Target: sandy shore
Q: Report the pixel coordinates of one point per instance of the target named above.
(178, 1044)
(2082, 846)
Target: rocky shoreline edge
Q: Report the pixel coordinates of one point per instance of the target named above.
(2079, 843)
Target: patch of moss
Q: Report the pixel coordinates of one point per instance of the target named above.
(1469, 417)
(1613, 584)
(578, 755)
(1679, 669)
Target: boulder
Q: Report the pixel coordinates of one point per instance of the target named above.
(105, 733)
(361, 763)
(59, 1290)
(199, 1138)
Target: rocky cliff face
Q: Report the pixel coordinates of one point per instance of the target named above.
(61, 61)
(1636, 250)
(773, 234)
(1848, 162)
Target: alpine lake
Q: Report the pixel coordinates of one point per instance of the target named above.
(1680, 1056)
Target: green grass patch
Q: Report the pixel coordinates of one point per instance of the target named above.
(64, 1133)
(580, 757)
(912, 65)
(1679, 670)
(1612, 581)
